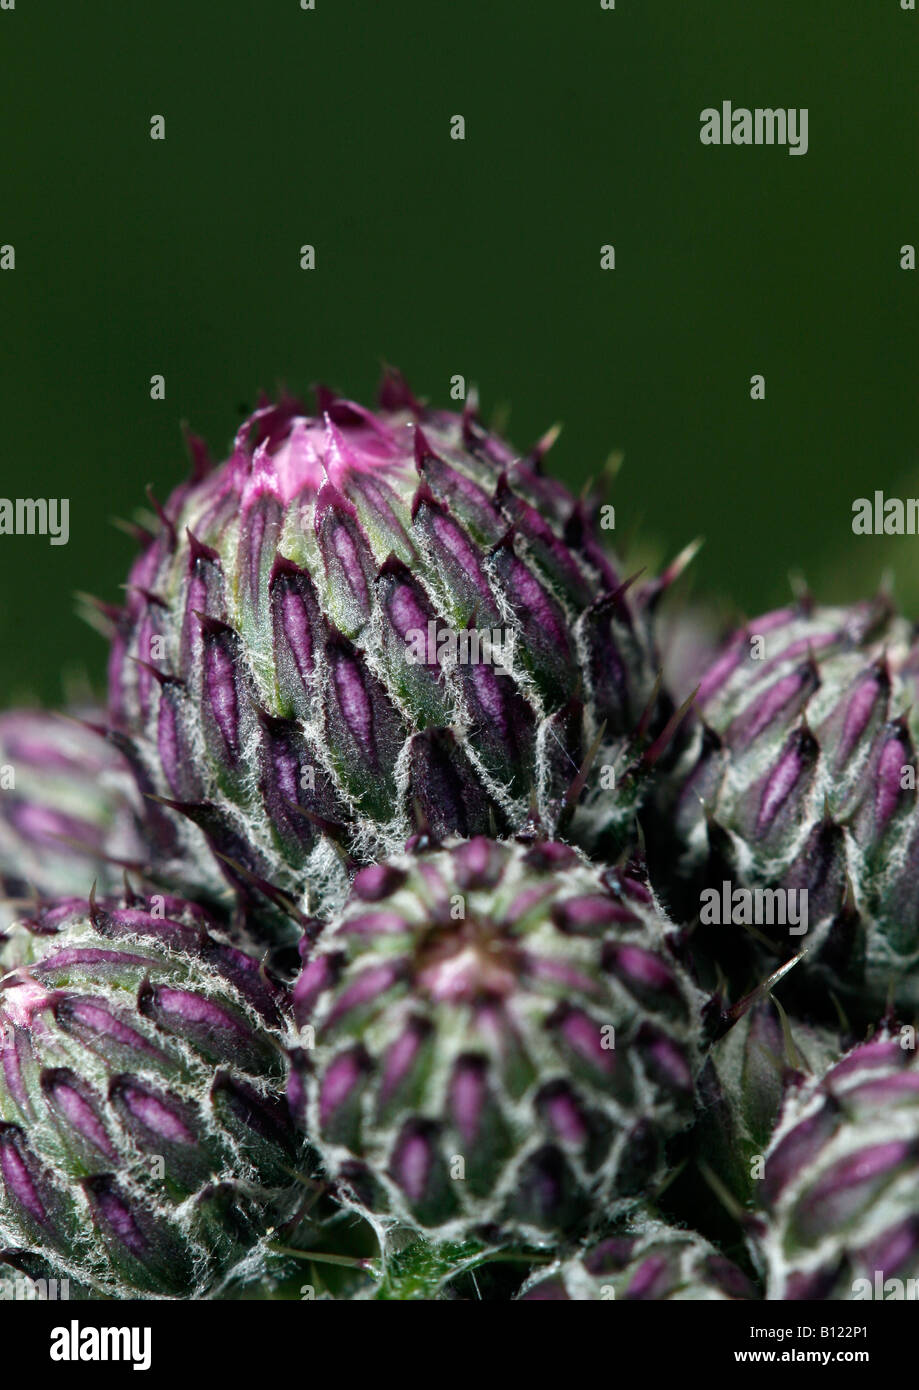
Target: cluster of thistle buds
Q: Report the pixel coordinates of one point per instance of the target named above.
(433, 910)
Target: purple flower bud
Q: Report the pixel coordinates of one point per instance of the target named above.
(110, 1029)
(803, 777)
(486, 1035)
(842, 1176)
(294, 582)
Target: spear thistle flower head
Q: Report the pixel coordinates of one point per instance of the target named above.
(801, 777)
(363, 624)
(70, 814)
(495, 1039)
(145, 1146)
(840, 1194)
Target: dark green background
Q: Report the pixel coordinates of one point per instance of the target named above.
(332, 127)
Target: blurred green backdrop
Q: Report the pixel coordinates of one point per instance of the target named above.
(481, 257)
